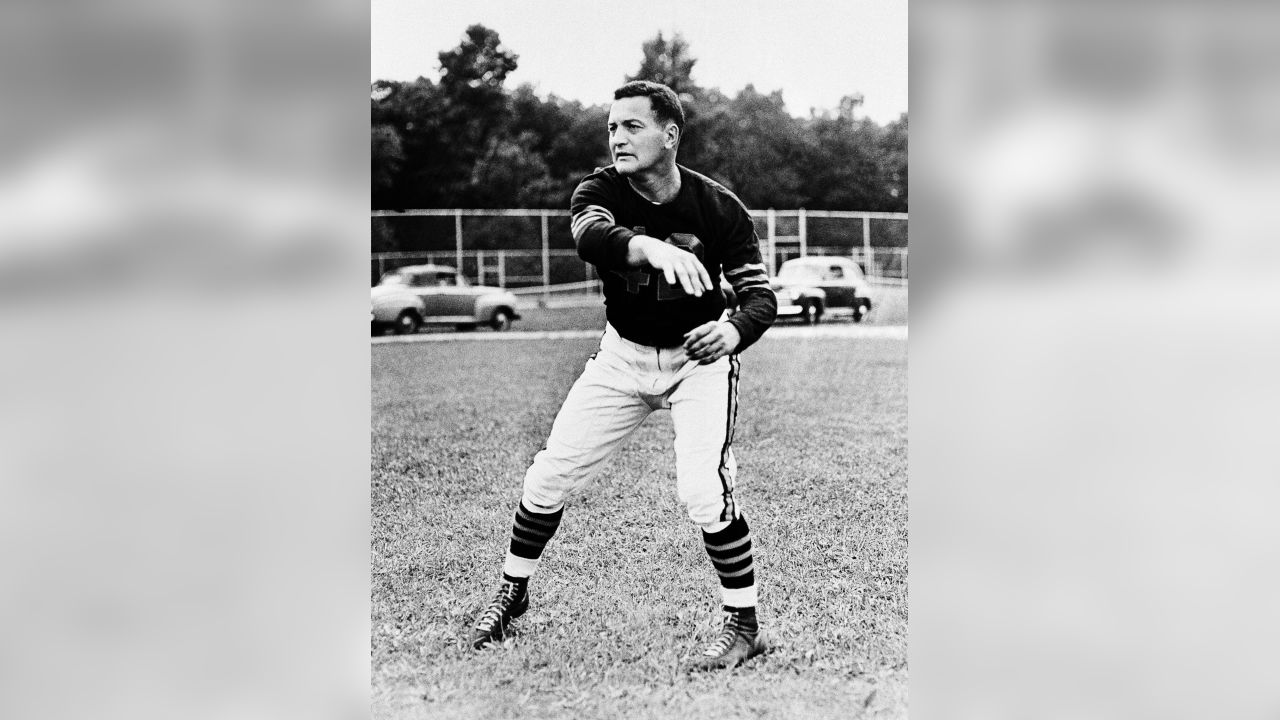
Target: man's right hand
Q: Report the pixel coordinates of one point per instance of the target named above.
(677, 264)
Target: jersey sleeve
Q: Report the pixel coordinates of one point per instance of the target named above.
(599, 238)
(743, 268)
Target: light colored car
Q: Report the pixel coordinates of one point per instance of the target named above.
(810, 287)
(398, 310)
(409, 297)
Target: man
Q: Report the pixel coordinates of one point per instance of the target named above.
(659, 235)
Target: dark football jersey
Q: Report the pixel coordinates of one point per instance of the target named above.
(705, 219)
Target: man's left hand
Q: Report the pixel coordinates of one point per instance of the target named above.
(711, 341)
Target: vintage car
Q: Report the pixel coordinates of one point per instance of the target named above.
(814, 286)
(396, 310)
(409, 297)
(792, 303)
(807, 288)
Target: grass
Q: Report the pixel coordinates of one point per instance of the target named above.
(625, 589)
(587, 311)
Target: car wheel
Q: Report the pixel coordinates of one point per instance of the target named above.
(407, 323)
(811, 314)
(501, 320)
(860, 312)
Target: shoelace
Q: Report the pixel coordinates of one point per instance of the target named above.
(727, 635)
(493, 615)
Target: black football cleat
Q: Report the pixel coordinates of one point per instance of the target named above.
(491, 627)
(731, 648)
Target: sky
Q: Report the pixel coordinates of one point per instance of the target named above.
(815, 52)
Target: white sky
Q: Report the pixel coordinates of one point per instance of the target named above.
(815, 51)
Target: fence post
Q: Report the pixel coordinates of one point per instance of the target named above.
(771, 224)
(546, 260)
(480, 266)
(380, 266)
(866, 246)
(457, 234)
(803, 231)
(502, 269)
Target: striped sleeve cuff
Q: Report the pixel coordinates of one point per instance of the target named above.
(589, 215)
(747, 276)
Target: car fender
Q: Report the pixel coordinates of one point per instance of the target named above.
(488, 302)
(388, 303)
(813, 293)
(807, 293)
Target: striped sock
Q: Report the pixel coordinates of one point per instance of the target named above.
(530, 532)
(730, 551)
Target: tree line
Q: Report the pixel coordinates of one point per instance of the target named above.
(466, 140)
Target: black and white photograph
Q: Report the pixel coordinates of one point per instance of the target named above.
(639, 285)
(637, 429)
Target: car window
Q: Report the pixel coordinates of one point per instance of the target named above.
(802, 273)
(835, 272)
(445, 280)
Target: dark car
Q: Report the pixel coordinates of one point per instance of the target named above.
(808, 288)
(820, 286)
(802, 304)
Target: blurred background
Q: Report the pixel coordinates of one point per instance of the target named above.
(1094, 332)
(184, 395)
(184, 412)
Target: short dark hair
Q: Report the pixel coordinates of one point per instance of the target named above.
(665, 102)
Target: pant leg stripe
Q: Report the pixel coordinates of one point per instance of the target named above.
(731, 419)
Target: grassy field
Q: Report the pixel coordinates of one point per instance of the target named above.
(587, 311)
(889, 308)
(625, 590)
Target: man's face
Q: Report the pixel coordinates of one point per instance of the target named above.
(636, 139)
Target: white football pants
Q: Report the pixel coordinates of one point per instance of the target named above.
(620, 386)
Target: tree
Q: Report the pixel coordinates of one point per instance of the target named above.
(474, 108)
(671, 63)
(753, 146)
(849, 105)
(511, 171)
(387, 156)
(445, 128)
(570, 139)
(479, 64)
(893, 163)
(842, 158)
(668, 63)
(467, 141)
(411, 111)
